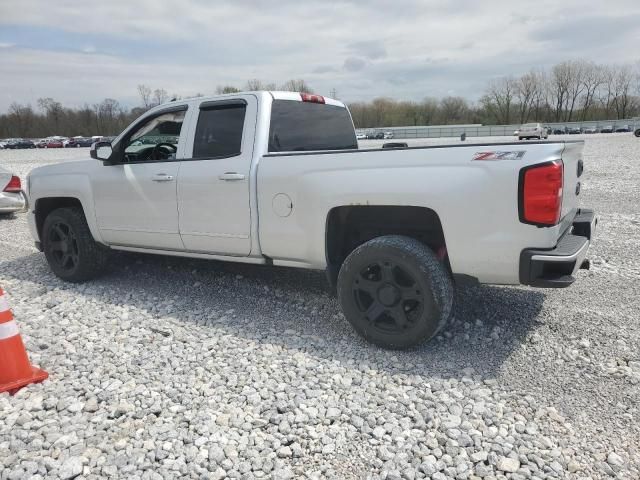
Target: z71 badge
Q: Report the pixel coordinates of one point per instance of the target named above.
(516, 155)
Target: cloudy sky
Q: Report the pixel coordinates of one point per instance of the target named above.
(83, 51)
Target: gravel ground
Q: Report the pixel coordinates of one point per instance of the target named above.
(170, 367)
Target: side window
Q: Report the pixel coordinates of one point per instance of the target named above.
(155, 139)
(219, 130)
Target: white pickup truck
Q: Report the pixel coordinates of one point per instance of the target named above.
(277, 178)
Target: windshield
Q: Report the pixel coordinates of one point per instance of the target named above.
(305, 126)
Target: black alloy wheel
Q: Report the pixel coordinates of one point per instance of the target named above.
(63, 246)
(388, 297)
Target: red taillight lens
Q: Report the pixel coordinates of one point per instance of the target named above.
(14, 185)
(310, 97)
(541, 194)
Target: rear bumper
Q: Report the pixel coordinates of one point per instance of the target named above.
(556, 268)
(13, 202)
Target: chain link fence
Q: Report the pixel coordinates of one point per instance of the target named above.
(502, 130)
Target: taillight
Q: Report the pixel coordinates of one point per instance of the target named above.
(540, 201)
(14, 185)
(310, 97)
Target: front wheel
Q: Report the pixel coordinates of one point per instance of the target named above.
(69, 247)
(395, 292)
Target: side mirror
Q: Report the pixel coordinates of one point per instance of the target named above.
(101, 150)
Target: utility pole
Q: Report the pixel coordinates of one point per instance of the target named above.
(333, 93)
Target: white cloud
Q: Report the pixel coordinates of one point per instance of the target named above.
(402, 49)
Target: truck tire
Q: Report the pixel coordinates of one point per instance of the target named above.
(69, 247)
(637, 132)
(395, 292)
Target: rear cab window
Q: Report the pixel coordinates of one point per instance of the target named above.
(298, 126)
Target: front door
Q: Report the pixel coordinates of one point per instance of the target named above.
(214, 184)
(135, 198)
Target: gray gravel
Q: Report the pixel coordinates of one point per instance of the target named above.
(170, 367)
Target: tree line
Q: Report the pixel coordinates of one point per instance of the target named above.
(569, 91)
(106, 118)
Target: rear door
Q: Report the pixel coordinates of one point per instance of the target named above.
(214, 181)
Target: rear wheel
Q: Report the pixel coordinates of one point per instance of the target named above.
(69, 247)
(395, 292)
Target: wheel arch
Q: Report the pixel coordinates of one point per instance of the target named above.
(349, 226)
(45, 205)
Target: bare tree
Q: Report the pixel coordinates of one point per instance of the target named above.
(226, 89)
(53, 111)
(453, 110)
(296, 85)
(429, 110)
(526, 88)
(607, 89)
(145, 95)
(558, 88)
(108, 111)
(22, 119)
(254, 85)
(592, 79)
(381, 109)
(575, 72)
(623, 81)
(499, 98)
(160, 96)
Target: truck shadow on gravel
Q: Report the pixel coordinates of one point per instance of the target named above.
(294, 309)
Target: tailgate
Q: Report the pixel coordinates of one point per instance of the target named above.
(573, 165)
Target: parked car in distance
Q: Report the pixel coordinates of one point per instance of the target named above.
(590, 130)
(77, 142)
(516, 133)
(12, 198)
(559, 131)
(19, 143)
(574, 131)
(392, 228)
(532, 130)
(361, 136)
(387, 135)
(623, 129)
(606, 129)
(49, 143)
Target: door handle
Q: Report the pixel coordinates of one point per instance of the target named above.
(231, 176)
(162, 177)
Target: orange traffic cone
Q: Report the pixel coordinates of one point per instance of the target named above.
(15, 369)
